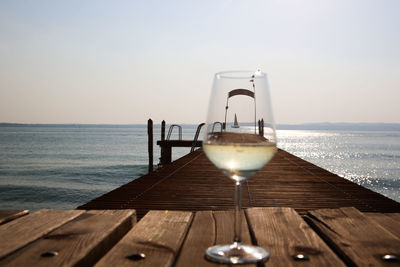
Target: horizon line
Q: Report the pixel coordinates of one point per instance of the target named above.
(185, 123)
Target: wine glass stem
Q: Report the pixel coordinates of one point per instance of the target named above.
(238, 215)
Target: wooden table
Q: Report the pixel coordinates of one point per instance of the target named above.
(327, 237)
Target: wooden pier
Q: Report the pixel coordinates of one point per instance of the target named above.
(193, 183)
(302, 214)
(332, 237)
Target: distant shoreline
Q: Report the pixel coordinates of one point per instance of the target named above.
(77, 125)
(342, 126)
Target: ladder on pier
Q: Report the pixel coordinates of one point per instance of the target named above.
(167, 144)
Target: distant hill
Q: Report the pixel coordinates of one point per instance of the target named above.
(342, 126)
(72, 125)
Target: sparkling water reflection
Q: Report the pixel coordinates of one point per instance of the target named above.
(62, 167)
(368, 158)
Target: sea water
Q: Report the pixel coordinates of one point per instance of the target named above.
(368, 158)
(64, 166)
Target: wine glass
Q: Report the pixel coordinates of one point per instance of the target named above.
(239, 139)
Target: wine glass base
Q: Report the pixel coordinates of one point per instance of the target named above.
(236, 253)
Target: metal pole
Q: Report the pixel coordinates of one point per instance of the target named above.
(255, 108)
(226, 111)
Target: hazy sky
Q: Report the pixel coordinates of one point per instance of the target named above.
(126, 61)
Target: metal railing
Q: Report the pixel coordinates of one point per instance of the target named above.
(171, 128)
(196, 136)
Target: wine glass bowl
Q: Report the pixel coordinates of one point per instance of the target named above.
(239, 139)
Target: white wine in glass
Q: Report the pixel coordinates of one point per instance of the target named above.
(239, 139)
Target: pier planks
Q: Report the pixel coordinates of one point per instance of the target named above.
(193, 183)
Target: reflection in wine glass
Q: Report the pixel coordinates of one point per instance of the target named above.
(239, 139)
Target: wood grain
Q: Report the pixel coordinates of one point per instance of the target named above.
(18, 233)
(193, 183)
(285, 234)
(209, 228)
(81, 242)
(358, 239)
(394, 216)
(387, 221)
(159, 235)
(9, 215)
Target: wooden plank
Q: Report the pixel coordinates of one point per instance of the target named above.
(355, 237)
(208, 229)
(81, 242)
(179, 143)
(150, 143)
(394, 216)
(285, 234)
(9, 215)
(387, 221)
(18, 233)
(193, 183)
(159, 235)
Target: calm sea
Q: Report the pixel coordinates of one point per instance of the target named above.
(64, 166)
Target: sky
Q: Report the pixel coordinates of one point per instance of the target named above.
(122, 62)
